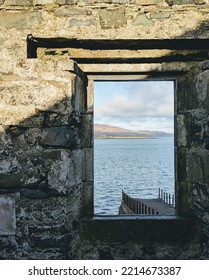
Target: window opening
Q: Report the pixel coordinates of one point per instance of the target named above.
(134, 147)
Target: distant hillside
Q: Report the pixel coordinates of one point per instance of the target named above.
(107, 131)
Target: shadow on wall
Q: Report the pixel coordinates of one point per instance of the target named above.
(43, 141)
(41, 156)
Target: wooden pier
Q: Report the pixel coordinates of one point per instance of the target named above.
(163, 205)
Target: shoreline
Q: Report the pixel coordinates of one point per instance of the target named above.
(125, 137)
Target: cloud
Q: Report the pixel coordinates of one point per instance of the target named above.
(137, 104)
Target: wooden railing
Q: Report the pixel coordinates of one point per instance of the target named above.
(166, 197)
(136, 206)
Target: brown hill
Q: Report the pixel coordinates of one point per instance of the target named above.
(108, 131)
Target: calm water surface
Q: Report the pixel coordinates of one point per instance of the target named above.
(137, 166)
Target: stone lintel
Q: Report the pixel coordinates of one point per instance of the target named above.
(135, 68)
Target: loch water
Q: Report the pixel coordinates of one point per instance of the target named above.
(138, 166)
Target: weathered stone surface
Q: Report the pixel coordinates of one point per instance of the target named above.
(185, 2)
(112, 18)
(83, 2)
(61, 172)
(9, 163)
(66, 172)
(205, 65)
(53, 154)
(10, 170)
(7, 215)
(149, 2)
(48, 241)
(20, 20)
(88, 172)
(56, 119)
(181, 131)
(198, 166)
(200, 2)
(18, 2)
(59, 136)
(33, 194)
(43, 191)
(142, 20)
(181, 2)
(34, 121)
(81, 22)
(62, 2)
(68, 11)
(160, 15)
(200, 128)
(43, 2)
(120, 1)
(10, 180)
(202, 86)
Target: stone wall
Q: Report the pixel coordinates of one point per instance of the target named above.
(45, 126)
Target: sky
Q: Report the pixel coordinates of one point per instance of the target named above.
(136, 105)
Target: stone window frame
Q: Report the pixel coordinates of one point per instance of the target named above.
(125, 77)
(124, 228)
(137, 227)
(134, 228)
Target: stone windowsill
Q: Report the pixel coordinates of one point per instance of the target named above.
(138, 228)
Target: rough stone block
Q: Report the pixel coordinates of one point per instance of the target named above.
(199, 128)
(50, 241)
(202, 87)
(61, 2)
(66, 172)
(148, 2)
(17, 3)
(10, 180)
(103, 1)
(83, 2)
(10, 171)
(34, 121)
(43, 2)
(87, 199)
(54, 154)
(88, 172)
(142, 20)
(68, 11)
(120, 1)
(7, 216)
(112, 18)
(60, 174)
(81, 22)
(54, 119)
(205, 65)
(78, 161)
(200, 2)
(181, 2)
(59, 136)
(85, 133)
(181, 165)
(181, 131)
(33, 194)
(21, 20)
(160, 15)
(198, 166)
